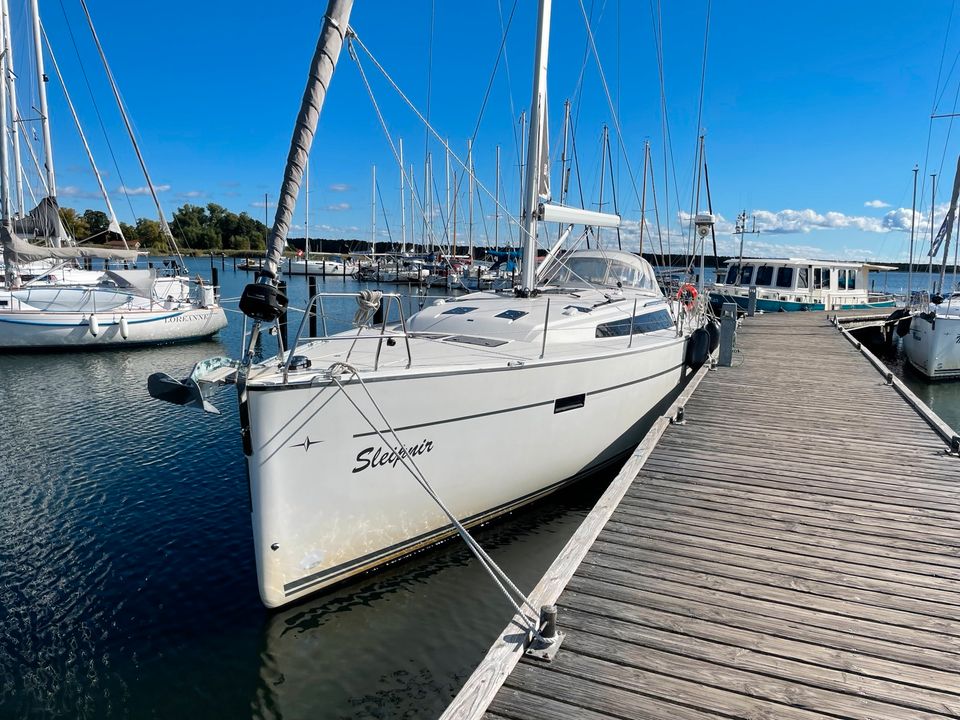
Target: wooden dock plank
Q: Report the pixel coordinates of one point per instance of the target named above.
(791, 551)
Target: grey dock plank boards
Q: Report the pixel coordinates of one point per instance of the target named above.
(792, 551)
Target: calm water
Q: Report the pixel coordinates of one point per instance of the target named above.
(127, 581)
(127, 584)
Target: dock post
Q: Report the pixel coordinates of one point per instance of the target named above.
(752, 301)
(728, 333)
(215, 280)
(312, 292)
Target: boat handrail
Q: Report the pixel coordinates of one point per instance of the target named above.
(317, 300)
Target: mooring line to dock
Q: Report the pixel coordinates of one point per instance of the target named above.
(530, 625)
(481, 687)
(945, 431)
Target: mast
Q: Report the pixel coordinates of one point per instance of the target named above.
(446, 223)
(14, 113)
(643, 194)
(470, 197)
(413, 204)
(603, 168)
(5, 217)
(538, 113)
(403, 212)
(44, 115)
(913, 226)
(496, 205)
(373, 210)
(933, 205)
(951, 216)
(428, 201)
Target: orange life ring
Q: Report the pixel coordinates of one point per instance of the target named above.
(687, 296)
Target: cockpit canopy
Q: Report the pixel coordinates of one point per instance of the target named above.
(601, 268)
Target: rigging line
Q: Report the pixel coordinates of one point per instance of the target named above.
(426, 133)
(943, 54)
(96, 108)
(497, 573)
(613, 190)
(606, 89)
(493, 74)
(665, 262)
(355, 38)
(386, 221)
(703, 81)
(383, 125)
(133, 140)
(506, 67)
(664, 130)
(83, 138)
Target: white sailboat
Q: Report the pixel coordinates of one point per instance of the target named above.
(64, 307)
(932, 344)
(554, 379)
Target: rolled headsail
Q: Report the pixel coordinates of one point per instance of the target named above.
(332, 35)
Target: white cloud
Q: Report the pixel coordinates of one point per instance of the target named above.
(262, 204)
(338, 207)
(142, 190)
(72, 191)
(339, 187)
(190, 194)
(876, 204)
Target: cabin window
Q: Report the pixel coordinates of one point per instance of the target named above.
(764, 275)
(732, 274)
(821, 278)
(784, 277)
(461, 310)
(851, 279)
(648, 322)
(803, 278)
(747, 275)
(841, 279)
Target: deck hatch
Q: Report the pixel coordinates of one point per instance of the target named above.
(573, 402)
(470, 340)
(461, 310)
(511, 314)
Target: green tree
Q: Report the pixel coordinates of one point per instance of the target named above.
(74, 223)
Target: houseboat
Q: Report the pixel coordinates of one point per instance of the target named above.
(796, 284)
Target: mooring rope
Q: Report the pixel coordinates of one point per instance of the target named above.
(498, 575)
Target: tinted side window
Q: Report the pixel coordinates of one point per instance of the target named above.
(732, 274)
(747, 276)
(658, 320)
(764, 275)
(803, 278)
(851, 279)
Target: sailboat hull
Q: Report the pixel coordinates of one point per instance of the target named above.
(932, 346)
(331, 498)
(118, 327)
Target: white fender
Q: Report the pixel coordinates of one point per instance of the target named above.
(93, 325)
(124, 328)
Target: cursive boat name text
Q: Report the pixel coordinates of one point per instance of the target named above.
(379, 457)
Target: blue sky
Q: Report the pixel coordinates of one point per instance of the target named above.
(814, 113)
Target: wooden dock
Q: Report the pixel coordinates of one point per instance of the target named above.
(790, 552)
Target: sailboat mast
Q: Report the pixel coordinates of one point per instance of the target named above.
(933, 207)
(470, 197)
(403, 212)
(603, 167)
(496, 204)
(413, 204)
(538, 112)
(13, 113)
(44, 115)
(373, 210)
(643, 194)
(4, 161)
(913, 227)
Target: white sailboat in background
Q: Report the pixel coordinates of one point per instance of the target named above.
(556, 377)
(932, 344)
(70, 307)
